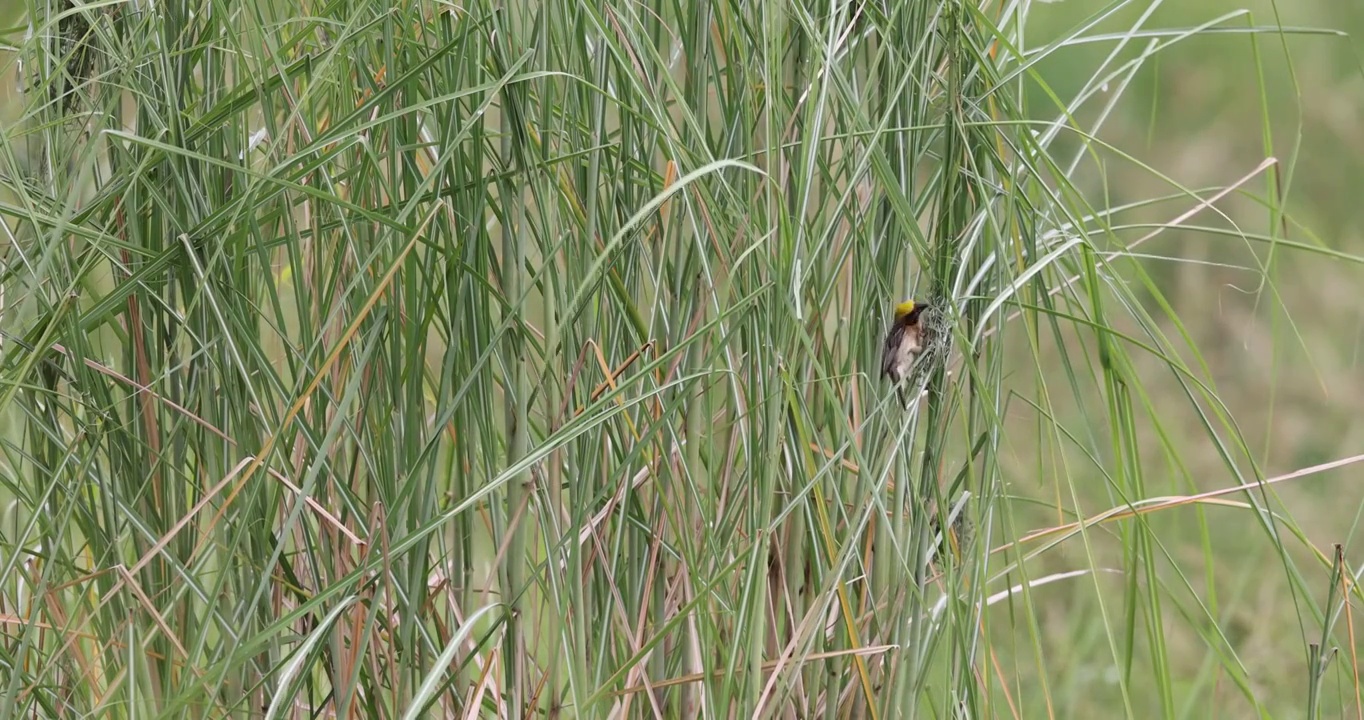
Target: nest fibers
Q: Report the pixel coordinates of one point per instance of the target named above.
(935, 336)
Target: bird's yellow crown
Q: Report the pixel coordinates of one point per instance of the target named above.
(904, 309)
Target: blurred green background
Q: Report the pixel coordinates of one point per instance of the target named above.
(1286, 355)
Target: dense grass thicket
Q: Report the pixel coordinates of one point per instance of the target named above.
(429, 359)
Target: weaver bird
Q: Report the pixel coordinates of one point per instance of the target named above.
(904, 341)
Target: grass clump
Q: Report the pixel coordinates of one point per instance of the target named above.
(404, 360)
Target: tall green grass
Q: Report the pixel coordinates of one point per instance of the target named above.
(496, 359)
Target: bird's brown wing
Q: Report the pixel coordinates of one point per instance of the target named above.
(889, 354)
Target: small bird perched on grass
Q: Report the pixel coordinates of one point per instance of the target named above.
(904, 342)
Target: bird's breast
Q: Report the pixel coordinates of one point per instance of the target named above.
(909, 348)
